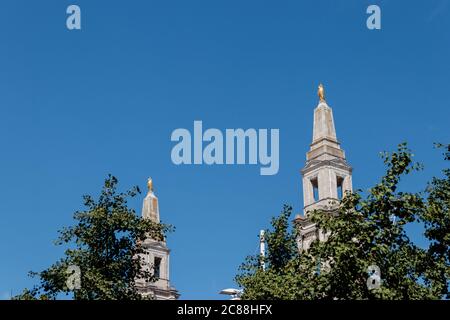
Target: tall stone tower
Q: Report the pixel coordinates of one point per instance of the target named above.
(157, 255)
(326, 175)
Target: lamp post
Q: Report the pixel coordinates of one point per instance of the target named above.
(234, 293)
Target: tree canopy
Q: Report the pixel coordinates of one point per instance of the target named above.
(104, 255)
(367, 243)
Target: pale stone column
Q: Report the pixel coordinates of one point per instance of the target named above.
(167, 267)
(347, 185)
(333, 184)
(324, 184)
(308, 194)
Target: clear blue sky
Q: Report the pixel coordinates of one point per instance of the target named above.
(77, 105)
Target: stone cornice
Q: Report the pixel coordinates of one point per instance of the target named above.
(336, 163)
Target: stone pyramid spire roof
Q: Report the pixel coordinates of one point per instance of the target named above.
(150, 206)
(324, 139)
(323, 123)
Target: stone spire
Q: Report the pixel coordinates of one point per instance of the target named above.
(150, 206)
(157, 256)
(323, 124)
(326, 175)
(324, 133)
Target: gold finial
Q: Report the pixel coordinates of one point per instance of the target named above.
(150, 184)
(321, 92)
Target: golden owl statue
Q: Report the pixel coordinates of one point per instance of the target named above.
(321, 92)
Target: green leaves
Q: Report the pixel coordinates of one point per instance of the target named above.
(105, 243)
(363, 232)
(281, 253)
(436, 218)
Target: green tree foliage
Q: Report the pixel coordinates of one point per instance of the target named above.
(436, 217)
(362, 232)
(105, 244)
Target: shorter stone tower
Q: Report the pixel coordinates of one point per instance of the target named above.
(156, 256)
